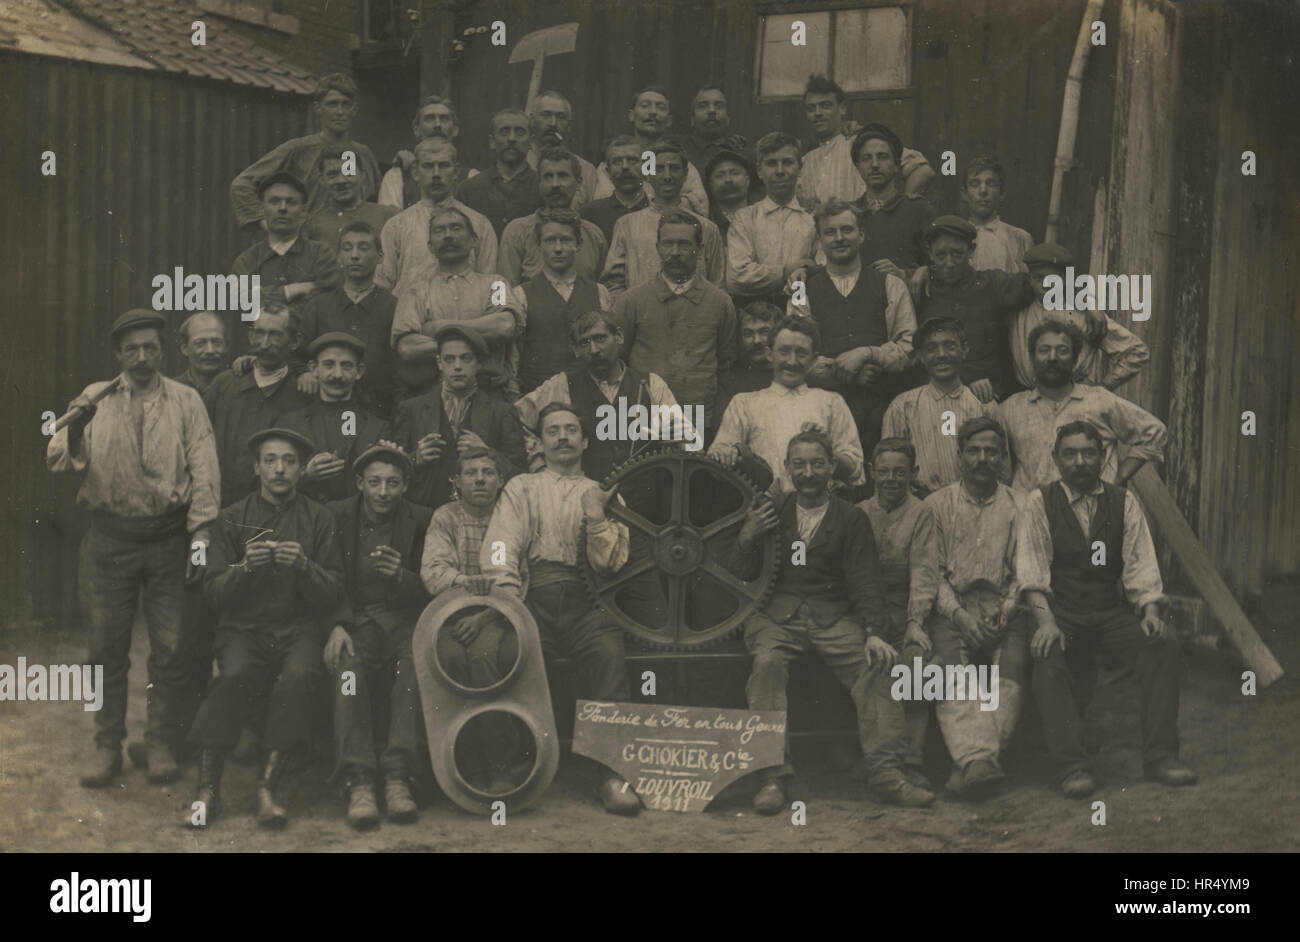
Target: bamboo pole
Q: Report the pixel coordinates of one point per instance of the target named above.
(1070, 117)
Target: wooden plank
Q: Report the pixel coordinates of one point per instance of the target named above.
(1163, 512)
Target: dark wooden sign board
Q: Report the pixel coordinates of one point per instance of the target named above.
(678, 758)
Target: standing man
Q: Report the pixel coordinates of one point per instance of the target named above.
(363, 309)
(998, 245)
(928, 416)
(521, 254)
(405, 237)
(752, 370)
(769, 240)
(866, 321)
(678, 324)
(829, 168)
(623, 157)
(964, 596)
(710, 124)
(633, 256)
(1094, 609)
(733, 185)
(551, 119)
(275, 577)
(893, 219)
(241, 405)
(830, 604)
(292, 267)
(455, 416)
(381, 535)
(335, 105)
(343, 204)
(151, 486)
(508, 189)
(203, 344)
(651, 119)
(538, 524)
(1033, 417)
(436, 117)
(764, 420)
(339, 425)
(557, 295)
(1111, 354)
(451, 292)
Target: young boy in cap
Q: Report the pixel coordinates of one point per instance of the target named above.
(998, 245)
(275, 577)
(381, 535)
(893, 221)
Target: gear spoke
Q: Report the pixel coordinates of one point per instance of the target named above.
(726, 578)
(626, 514)
(709, 531)
(626, 574)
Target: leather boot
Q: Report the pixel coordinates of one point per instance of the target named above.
(399, 801)
(161, 763)
(270, 814)
(102, 767)
(363, 813)
(211, 764)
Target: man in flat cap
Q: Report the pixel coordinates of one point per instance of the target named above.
(151, 486)
(1111, 355)
(453, 416)
(733, 184)
(339, 425)
(381, 535)
(984, 301)
(275, 576)
(893, 221)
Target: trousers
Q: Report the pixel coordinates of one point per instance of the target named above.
(571, 626)
(382, 669)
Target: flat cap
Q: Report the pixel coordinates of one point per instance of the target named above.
(932, 325)
(725, 154)
(380, 452)
(877, 132)
(1049, 253)
(337, 338)
(297, 439)
(950, 225)
(136, 317)
(462, 332)
(281, 176)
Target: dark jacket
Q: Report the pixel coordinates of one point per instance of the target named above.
(322, 422)
(409, 597)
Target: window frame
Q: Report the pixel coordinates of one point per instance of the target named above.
(771, 8)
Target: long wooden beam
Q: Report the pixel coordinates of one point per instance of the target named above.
(1163, 512)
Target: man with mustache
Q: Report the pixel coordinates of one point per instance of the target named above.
(449, 291)
(533, 547)
(508, 189)
(151, 484)
(830, 604)
(275, 576)
(634, 258)
(557, 295)
(343, 204)
(436, 117)
(733, 185)
(339, 425)
(998, 245)
(866, 320)
(651, 120)
(1111, 355)
(829, 169)
(363, 309)
(984, 301)
(456, 416)
(623, 158)
(550, 117)
(710, 123)
(1033, 417)
(752, 370)
(928, 416)
(522, 256)
(203, 344)
(677, 324)
(964, 595)
(775, 236)
(1091, 610)
(405, 238)
(335, 105)
(766, 420)
(381, 536)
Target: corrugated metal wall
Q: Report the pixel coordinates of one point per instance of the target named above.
(144, 162)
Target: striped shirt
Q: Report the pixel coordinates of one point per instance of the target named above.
(405, 240)
(918, 416)
(452, 547)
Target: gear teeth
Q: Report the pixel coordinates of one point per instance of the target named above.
(712, 635)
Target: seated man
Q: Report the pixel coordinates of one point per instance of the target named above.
(382, 540)
(481, 647)
(965, 590)
(763, 420)
(929, 416)
(537, 529)
(273, 598)
(339, 425)
(454, 416)
(832, 605)
(1084, 604)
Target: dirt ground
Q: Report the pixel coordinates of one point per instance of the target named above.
(1245, 749)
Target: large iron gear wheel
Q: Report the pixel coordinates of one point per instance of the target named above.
(682, 510)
